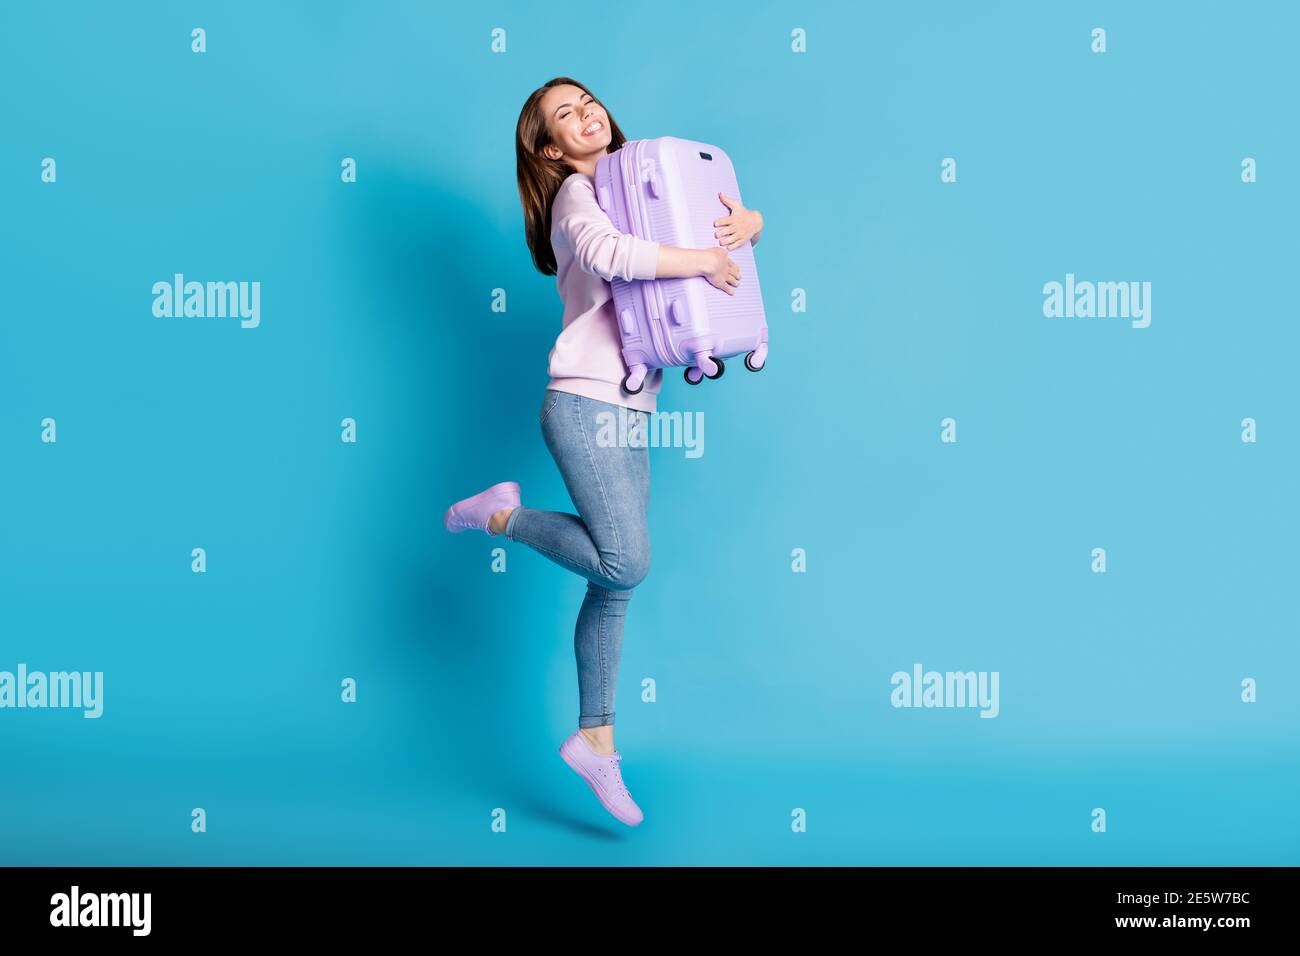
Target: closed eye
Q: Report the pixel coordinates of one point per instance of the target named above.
(584, 103)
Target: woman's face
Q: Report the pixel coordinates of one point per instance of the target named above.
(578, 124)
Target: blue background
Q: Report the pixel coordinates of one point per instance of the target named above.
(328, 560)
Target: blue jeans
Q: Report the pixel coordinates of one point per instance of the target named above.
(609, 544)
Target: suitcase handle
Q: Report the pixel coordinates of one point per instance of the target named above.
(650, 178)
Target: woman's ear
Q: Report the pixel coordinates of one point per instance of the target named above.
(551, 151)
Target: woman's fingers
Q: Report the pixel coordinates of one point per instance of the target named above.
(730, 277)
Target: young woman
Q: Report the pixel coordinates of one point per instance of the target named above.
(562, 132)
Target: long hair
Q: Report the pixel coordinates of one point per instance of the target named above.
(539, 177)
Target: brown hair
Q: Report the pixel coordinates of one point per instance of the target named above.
(539, 177)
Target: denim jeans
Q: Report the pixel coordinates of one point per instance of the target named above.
(607, 542)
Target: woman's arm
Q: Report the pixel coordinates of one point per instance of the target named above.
(675, 262)
(720, 269)
(600, 249)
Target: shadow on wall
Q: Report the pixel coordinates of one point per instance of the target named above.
(475, 379)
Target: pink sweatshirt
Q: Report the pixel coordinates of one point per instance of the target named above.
(587, 358)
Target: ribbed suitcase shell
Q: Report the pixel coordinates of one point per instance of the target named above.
(666, 190)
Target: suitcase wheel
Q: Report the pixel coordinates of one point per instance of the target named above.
(699, 374)
(633, 391)
(749, 363)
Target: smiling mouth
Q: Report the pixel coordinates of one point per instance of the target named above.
(595, 127)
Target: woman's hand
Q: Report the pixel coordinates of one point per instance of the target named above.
(740, 226)
(720, 269)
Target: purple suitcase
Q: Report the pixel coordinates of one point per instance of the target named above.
(666, 190)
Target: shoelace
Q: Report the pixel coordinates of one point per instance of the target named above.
(618, 776)
(613, 759)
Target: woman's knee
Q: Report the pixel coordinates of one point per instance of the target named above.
(632, 567)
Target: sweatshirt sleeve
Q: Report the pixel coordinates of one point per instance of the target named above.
(598, 247)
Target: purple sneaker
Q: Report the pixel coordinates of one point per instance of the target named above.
(601, 773)
(473, 513)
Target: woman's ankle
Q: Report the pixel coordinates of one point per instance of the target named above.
(601, 739)
(497, 523)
